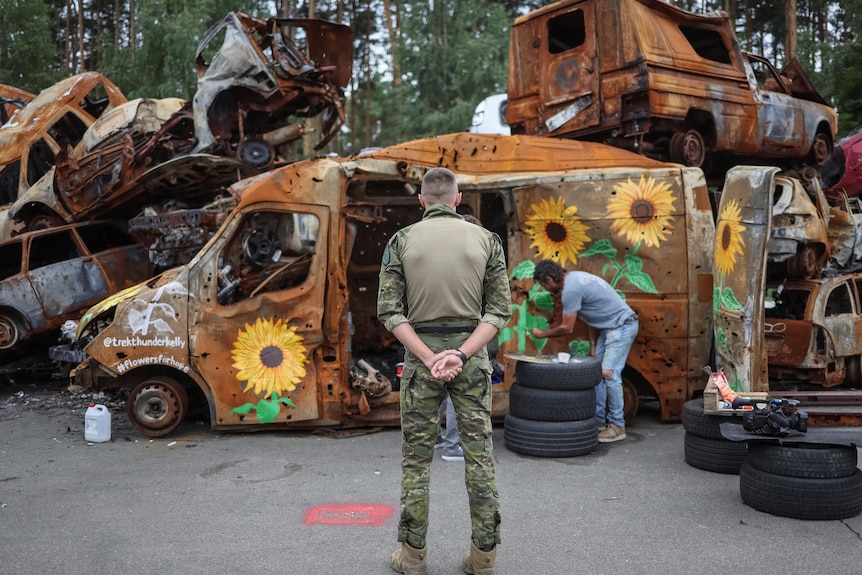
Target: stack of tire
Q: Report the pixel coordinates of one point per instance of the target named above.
(552, 408)
(802, 481)
(705, 447)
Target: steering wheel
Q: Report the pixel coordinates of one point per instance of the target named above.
(259, 246)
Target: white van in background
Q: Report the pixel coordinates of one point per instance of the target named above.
(490, 116)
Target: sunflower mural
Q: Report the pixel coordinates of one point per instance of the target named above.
(642, 212)
(271, 361)
(556, 230)
(729, 235)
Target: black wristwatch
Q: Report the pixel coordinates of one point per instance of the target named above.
(463, 356)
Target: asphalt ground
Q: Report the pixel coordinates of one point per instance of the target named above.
(205, 502)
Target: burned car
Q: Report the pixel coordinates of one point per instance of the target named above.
(54, 119)
(50, 276)
(263, 74)
(12, 99)
(650, 77)
(843, 170)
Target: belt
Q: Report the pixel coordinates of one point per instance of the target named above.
(446, 327)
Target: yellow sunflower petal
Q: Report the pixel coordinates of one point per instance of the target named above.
(730, 240)
(642, 211)
(269, 357)
(556, 230)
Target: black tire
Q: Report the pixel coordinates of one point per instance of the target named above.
(551, 405)
(801, 498)
(696, 422)
(716, 455)
(550, 438)
(579, 373)
(807, 460)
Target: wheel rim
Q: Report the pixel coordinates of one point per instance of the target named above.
(821, 148)
(693, 149)
(157, 406)
(630, 400)
(9, 332)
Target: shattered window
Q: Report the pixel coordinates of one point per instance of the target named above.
(840, 301)
(52, 248)
(707, 44)
(270, 251)
(96, 100)
(566, 31)
(68, 130)
(39, 161)
(9, 182)
(102, 237)
(790, 304)
(10, 260)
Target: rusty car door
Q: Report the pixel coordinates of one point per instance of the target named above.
(742, 235)
(780, 118)
(572, 99)
(256, 314)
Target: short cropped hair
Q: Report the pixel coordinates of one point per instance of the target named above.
(439, 186)
(548, 268)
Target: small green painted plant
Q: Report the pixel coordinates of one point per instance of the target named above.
(267, 409)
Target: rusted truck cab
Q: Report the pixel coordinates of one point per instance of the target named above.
(269, 318)
(653, 78)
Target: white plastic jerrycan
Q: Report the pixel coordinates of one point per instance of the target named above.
(97, 423)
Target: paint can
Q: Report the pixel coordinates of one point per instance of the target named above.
(97, 423)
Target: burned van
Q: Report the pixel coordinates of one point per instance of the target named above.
(269, 318)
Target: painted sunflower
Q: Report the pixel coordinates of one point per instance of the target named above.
(270, 357)
(556, 231)
(730, 240)
(642, 211)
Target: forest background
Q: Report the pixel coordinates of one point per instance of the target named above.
(420, 66)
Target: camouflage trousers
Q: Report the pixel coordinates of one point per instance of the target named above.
(421, 396)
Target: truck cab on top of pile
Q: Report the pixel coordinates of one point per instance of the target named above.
(650, 77)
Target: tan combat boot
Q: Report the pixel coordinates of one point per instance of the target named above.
(409, 560)
(479, 562)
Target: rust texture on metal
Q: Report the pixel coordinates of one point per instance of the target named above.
(12, 99)
(661, 81)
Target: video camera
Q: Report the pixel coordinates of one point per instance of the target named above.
(774, 417)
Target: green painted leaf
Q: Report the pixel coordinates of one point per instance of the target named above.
(544, 301)
(641, 281)
(633, 263)
(286, 401)
(579, 347)
(267, 410)
(523, 270)
(729, 301)
(602, 247)
(243, 409)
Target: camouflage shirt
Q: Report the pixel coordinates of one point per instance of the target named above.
(443, 267)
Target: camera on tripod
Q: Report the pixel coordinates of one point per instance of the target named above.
(775, 417)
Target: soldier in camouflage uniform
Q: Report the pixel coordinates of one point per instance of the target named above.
(444, 293)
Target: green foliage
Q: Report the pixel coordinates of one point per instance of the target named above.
(26, 49)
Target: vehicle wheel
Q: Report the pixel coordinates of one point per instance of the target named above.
(803, 265)
(550, 438)
(157, 406)
(256, 153)
(10, 331)
(688, 148)
(44, 221)
(696, 422)
(716, 455)
(579, 373)
(821, 148)
(552, 405)
(801, 498)
(809, 460)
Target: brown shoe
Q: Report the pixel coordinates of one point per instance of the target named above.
(409, 560)
(612, 433)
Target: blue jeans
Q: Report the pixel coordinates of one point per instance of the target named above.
(450, 434)
(612, 348)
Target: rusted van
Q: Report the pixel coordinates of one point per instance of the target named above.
(653, 78)
(267, 320)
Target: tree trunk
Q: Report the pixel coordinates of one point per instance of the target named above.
(68, 61)
(313, 126)
(80, 36)
(133, 41)
(790, 24)
(116, 27)
(393, 40)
